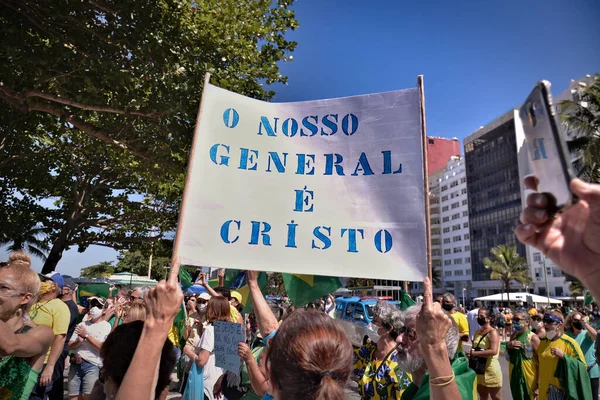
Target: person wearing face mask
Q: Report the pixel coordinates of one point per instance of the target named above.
(375, 365)
(54, 313)
(23, 345)
(486, 345)
(584, 334)
(87, 341)
(562, 366)
(522, 368)
(449, 304)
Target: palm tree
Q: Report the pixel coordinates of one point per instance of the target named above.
(507, 265)
(26, 240)
(582, 121)
(576, 288)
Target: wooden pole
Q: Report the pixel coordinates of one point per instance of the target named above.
(425, 175)
(190, 165)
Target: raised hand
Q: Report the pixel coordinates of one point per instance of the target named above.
(432, 323)
(571, 239)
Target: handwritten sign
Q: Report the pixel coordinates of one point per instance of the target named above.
(327, 187)
(227, 337)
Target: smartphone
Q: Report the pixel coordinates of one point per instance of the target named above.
(548, 153)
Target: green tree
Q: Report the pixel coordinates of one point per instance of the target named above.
(582, 121)
(576, 288)
(98, 102)
(359, 282)
(102, 270)
(507, 265)
(436, 277)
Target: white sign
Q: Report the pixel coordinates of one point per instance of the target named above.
(227, 337)
(328, 187)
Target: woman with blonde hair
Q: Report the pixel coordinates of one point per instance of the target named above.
(23, 345)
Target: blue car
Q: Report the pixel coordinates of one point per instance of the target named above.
(357, 314)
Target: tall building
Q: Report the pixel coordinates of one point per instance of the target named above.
(494, 193)
(456, 243)
(439, 151)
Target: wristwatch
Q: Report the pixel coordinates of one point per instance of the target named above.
(86, 336)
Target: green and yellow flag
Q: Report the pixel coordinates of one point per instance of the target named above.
(236, 280)
(185, 278)
(303, 289)
(406, 301)
(589, 299)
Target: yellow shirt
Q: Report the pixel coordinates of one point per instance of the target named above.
(54, 314)
(463, 325)
(548, 362)
(377, 381)
(233, 314)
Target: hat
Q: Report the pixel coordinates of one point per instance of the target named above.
(204, 296)
(100, 299)
(70, 283)
(236, 295)
(56, 278)
(532, 312)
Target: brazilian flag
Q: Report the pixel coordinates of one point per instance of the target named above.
(303, 289)
(589, 299)
(236, 280)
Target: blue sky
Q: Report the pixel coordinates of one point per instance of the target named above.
(479, 59)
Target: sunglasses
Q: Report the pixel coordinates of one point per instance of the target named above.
(409, 332)
(549, 321)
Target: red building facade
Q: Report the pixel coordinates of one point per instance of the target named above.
(439, 151)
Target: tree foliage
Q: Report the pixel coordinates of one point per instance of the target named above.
(507, 265)
(98, 101)
(582, 121)
(576, 288)
(103, 269)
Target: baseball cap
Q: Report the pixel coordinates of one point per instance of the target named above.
(236, 295)
(69, 282)
(204, 296)
(55, 277)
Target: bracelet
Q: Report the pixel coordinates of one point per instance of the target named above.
(450, 380)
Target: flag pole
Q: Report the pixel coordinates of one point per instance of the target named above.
(190, 165)
(425, 175)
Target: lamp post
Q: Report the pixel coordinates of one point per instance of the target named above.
(464, 304)
(546, 277)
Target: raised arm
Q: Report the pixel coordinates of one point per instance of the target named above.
(204, 282)
(162, 304)
(36, 341)
(267, 322)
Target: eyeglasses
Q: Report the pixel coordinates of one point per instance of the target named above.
(549, 321)
(192, 299)
(132, 297)
(409, 332)
(518, 319)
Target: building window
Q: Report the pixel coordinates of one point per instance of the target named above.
(456, 227)
(446, 219)
(467, 236)
(447, 251)
(457, 250)
(456, 239)
(454, 184)
(465, 202)
(537, 257)
(447, 273)
(458, 272)
(447, 240)
(455, 205)
(444, 188)
(556, 273)
(455, 216)
(447, 262)
(446, 230)
(463, 191)
(467, 248)
(445, 198)
(466, 225)
(445, 208)
(431, 141)
(468, 260)
(457, 261)
(465, 213)
(463, 180)
(558, 291)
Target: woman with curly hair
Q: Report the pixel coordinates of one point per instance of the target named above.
(375, 364)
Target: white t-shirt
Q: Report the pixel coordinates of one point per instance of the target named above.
(473, 325)
(98, 331)
(211, 371)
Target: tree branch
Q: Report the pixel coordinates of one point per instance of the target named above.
(67, 102)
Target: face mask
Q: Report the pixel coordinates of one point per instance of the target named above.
(202, 307)
(45, 288)
(372, 332)
(481, 321)
(95, 312)
(551, 334)
(447, 306)
(536, 324)
(578, 325)
(517, 326)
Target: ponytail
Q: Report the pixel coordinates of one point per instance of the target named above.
(330, 389)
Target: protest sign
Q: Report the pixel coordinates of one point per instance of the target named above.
(328, 187)
(227, 337)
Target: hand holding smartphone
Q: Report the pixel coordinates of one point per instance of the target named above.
(548, 154)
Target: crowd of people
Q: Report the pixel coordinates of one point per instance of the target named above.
(127, 346)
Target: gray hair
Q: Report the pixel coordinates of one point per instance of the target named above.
(525, 315)
(388, 313)
(143, 291)
(449, 296)
(452, 336)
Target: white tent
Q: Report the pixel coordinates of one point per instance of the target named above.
(519, 297)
